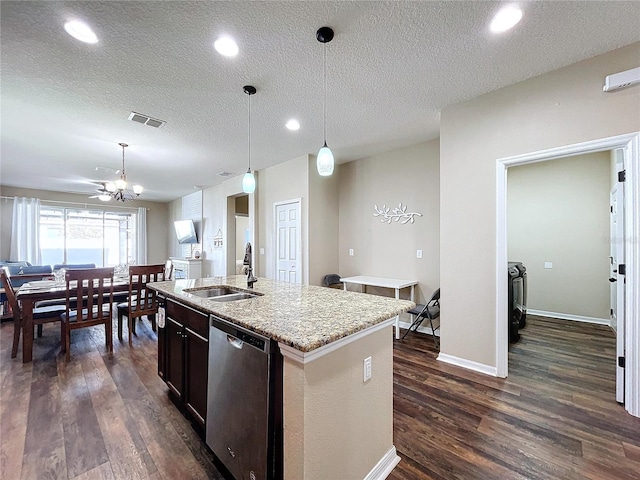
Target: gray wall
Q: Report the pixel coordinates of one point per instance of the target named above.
(563, 107)
(409, 176)
(558, 211)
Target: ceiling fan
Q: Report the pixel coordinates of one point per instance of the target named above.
(102, 193)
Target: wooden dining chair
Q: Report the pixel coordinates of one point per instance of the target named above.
(95, 287)
(41, 315)
(142, 300)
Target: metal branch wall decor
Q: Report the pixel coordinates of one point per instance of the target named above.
(398, 214)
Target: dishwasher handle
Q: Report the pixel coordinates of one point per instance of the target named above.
(235, 342)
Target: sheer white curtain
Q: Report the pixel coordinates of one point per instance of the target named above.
(25, 230)
(141, 232)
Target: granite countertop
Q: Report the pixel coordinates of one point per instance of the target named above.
(304, 317)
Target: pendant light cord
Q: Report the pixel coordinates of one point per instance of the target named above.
(324, 107)
(249, 129)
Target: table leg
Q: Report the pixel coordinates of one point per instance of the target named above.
(397, 316)
(344, 286)
(27, 331)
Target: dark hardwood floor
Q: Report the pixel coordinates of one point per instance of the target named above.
(555, 417)
(108, 416)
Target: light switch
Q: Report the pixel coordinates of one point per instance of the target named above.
(548, 264)
(351, 252)
(261, 251)
(418, 253)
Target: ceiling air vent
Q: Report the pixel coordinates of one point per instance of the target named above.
(224, 174)
(147, 120)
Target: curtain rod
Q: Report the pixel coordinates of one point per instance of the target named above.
(86, 205)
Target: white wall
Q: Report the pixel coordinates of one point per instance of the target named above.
(563, 107)
(409, 176)
(558, 212)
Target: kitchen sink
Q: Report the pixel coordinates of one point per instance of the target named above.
(221, 294)
(232, 296)
(211, 292)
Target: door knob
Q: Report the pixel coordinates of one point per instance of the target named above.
(613, 279)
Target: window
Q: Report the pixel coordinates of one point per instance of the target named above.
(72, 235)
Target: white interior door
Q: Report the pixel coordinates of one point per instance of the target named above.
(288, 245)
(616, 278)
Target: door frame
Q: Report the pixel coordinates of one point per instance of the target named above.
(631, 144)
(275, 239)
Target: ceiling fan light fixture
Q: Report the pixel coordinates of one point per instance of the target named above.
(119, 190)
(121, 184)
(324, 160)
(110, 187)
(105, 197)
(137, 189)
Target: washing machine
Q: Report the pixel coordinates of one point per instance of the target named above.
(517, 298)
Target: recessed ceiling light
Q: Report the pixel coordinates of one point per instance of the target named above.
(80, 31)
(293, 124)
(226, 46)
(506, 18)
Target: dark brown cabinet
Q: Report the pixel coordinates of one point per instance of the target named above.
(183, 353)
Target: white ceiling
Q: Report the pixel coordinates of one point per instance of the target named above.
(391, 68)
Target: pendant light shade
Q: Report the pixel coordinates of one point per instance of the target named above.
(249, 181)
(325, 161)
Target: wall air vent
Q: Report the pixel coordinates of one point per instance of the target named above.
(224, 174)
(621, 80)
(146, 119)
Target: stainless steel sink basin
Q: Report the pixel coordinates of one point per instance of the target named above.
(221, 294)
(212, 292)
(232, 297)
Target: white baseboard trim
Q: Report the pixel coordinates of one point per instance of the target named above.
(384, 467)
(469, 364)
(421, 329)
(568, 316)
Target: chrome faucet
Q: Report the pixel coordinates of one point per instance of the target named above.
(249, 262)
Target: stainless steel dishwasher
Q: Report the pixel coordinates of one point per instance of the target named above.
(240, 414)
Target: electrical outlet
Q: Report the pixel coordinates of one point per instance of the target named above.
(418, 253)
(367, 369)
(351, 252)
(548, 264)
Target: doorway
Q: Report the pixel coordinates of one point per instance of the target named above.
(239, 232)
(288, 256)
(630, 280)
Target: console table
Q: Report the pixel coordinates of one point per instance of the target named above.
(393, 283)
(186, 267)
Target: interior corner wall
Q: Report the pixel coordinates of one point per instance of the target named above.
(215, 218)
(558, 212)
(285, 181)
(323, 223)
(157, 217)
(563, 107)
(407, 176)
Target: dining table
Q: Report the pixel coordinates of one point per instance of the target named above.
(31, 293)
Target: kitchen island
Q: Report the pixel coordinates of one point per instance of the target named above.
(335, 424)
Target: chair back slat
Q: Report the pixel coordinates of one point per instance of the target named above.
(142, 300)
(97, 303)
(10, 292)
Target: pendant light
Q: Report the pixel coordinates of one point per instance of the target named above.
(325, 160)
(249, 181)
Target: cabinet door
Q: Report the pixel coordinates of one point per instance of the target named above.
(175, 357)
(197, 371)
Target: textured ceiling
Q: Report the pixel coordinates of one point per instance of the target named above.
(391, 68)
